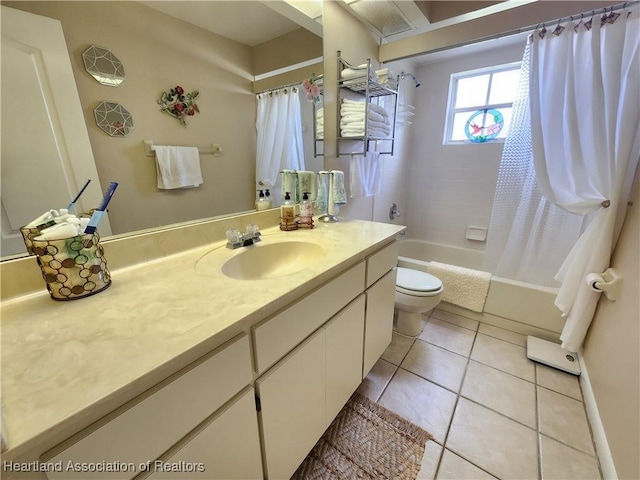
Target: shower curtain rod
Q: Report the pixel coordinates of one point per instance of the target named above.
(275, 89)
(530, 28)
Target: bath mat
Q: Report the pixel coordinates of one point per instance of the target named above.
(464, 287)
(366, 441)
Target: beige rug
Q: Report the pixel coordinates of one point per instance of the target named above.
(366, 441)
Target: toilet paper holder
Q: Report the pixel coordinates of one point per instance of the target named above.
(608, 282)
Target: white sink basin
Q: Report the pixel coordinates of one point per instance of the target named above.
(263, 260)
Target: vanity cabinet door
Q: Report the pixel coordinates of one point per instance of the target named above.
(292, 398)
(226, 448)
(344, 356)
(379, 319)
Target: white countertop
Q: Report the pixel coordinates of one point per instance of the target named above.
(66, 364)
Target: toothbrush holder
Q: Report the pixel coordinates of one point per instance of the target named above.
(70, 269)
(29, 232)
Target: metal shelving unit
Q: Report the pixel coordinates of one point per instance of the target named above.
(369, 90)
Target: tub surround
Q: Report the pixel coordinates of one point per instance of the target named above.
(65, 365)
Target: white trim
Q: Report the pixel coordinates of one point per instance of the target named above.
(290, 68)
(599, 434)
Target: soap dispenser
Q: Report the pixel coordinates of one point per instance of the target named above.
(306, 212)
(261, 202)
(267, 196)
(288, 214)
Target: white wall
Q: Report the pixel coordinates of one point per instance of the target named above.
(450, 186)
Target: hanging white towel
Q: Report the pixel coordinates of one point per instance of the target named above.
(464, 287)
(365, 175)
(177, 167)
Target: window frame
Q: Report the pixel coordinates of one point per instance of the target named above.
(451, 100)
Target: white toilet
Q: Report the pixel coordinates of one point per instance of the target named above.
(416, 293)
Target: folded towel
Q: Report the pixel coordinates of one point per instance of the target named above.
(322, 199)
(307, 183)
(353, 106)
(177, 167)
(365, 175)
(355, 72)
(337, 187)
(289, 182)
(359, 116)
(464, 287)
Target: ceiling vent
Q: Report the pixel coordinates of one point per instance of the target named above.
(383, 16)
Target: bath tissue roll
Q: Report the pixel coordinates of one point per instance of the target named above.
(594, 278)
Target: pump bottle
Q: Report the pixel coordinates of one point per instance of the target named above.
(306, 212)
(288, 214)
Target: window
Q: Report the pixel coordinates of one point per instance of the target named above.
(480, 104)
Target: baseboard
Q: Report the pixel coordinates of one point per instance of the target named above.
(599, 434)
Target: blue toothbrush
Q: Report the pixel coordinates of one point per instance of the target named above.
(73, 202)
(98, 214)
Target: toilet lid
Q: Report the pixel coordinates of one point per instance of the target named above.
(417, 281)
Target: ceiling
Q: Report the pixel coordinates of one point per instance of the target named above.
(254, 22)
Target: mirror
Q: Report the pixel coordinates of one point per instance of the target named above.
(103, 65)
(159, 47)
(113, 119)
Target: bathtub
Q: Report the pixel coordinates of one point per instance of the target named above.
(516, 306)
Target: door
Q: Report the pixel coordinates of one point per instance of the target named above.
(46, 153)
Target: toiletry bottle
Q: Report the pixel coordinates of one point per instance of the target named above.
(288, 214)
(267, 196)
(306, 212)
(261, 202)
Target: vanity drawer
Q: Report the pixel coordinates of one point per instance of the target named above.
(381, 262)
(153, 423)
(278, 335)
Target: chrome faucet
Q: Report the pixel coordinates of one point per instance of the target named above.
(235, 239)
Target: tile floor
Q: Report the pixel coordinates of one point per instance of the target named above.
(493, 412)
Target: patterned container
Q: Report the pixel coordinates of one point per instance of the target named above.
(70, 269)
(29, 233)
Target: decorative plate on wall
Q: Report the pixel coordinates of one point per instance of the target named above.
(104, 66)
(113, 119)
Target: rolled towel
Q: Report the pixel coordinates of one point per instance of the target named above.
(464, 287)
(289, 183)
(337, 186)
(322, 199)
(307, 183)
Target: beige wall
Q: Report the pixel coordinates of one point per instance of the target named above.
(612, 353)
(294, 47)
(160, 52)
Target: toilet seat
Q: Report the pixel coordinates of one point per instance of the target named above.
(416, 283)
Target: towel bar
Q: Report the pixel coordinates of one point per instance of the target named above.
(215, 150)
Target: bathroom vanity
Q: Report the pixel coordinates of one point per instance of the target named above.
(179, 370)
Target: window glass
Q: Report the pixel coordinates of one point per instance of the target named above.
(472, 91)
(480, 104)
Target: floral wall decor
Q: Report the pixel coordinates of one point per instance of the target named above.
(179, 104)
(313, 90)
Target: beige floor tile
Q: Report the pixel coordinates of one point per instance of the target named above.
(503, 334)
(560, 462)
(377, 379)
(420, 402)
(502, 392)
(504, 356)
(564, 419)
(436, 364)
(399, 347)
(495, 443)
(446, 335)
(453, 467)
(430, 460)
(455, 319)
(558, 381)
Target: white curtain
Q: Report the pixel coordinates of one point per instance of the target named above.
(585, 130)
(279, 142)
(529, 237)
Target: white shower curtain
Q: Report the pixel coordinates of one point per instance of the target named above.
(585, 128)
(529, 237)
(279, 142)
